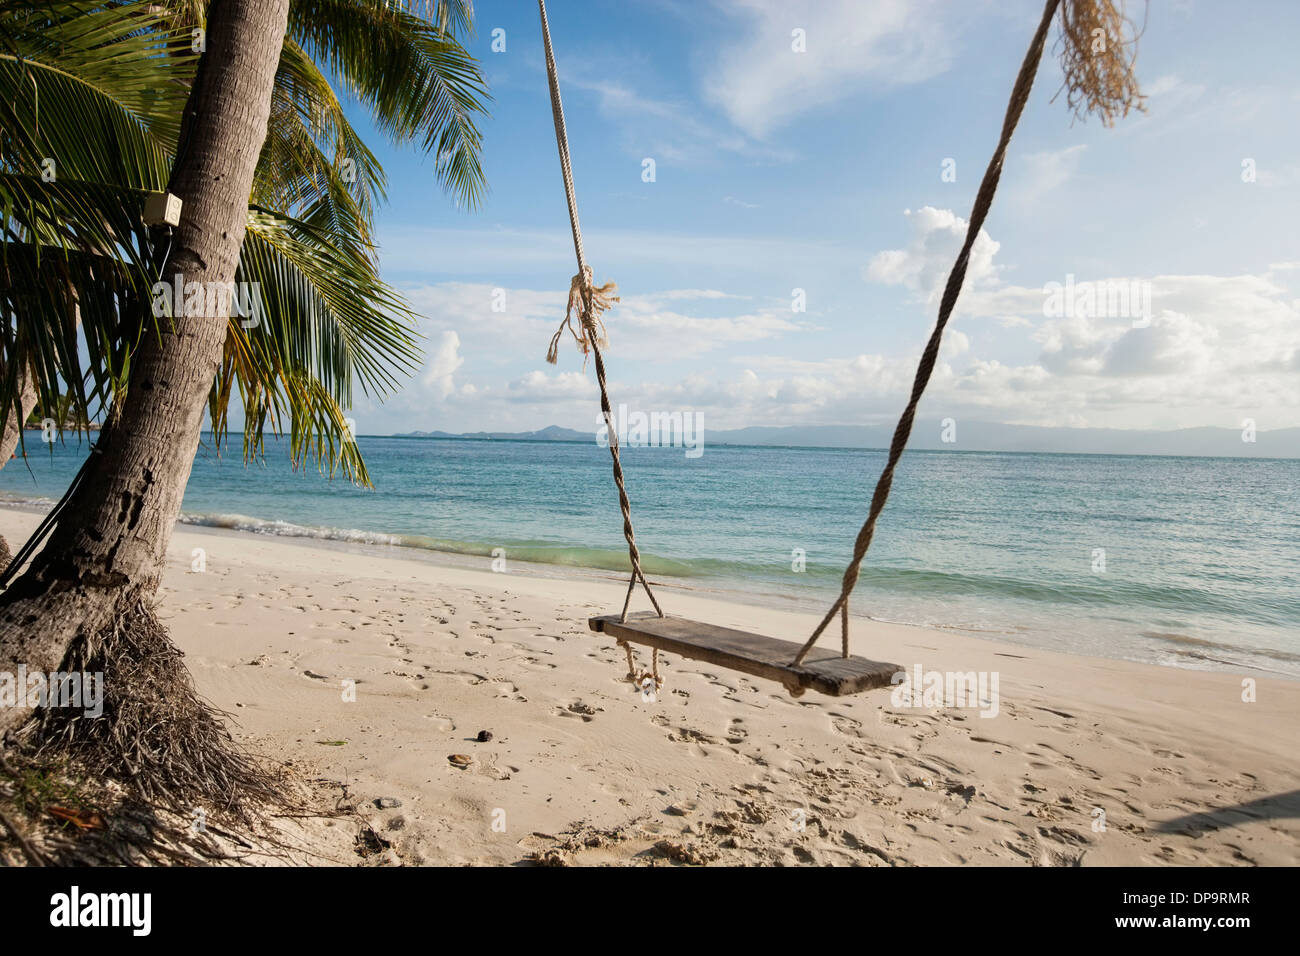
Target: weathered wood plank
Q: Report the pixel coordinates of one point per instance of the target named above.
(755, 654)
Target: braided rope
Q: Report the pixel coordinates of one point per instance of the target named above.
(592, 300)
(562, 138)
(639, 678)
(983, 201)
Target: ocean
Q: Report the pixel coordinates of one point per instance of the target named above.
(1187, 562)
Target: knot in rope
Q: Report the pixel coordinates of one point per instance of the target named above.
(586, 303)
(640, 678)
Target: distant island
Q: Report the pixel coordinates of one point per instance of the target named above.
(550, 433)
(970, 436)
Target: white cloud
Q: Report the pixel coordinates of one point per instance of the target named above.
(672, 295)
(641, 326)
(1237, 356)
(483, 252)
(1210, 346)
(667, 130)
(549, 388)
(1172, 87)
(444, 360)
(1039, 174)
(923, 267)
(1216, 349)
(761, 83)
(648, 330)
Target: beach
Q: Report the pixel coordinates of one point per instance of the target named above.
(1083, 760)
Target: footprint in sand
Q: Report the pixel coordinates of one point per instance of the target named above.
(846, 725)
(716, 680)
(736, 732)
(689, 735)
(577, 708)
(504, 687)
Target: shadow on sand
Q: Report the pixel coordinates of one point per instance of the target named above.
(1277, 807)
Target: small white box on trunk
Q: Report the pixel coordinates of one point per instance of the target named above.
(162, 209)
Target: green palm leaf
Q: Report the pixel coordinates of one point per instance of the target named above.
(312, 152)
(417, 80)
(72, 252)
(99, 89)
(321, 307)
(90, 94)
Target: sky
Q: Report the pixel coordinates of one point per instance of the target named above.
(783, 265)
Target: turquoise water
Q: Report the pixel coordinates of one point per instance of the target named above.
(1200, 554)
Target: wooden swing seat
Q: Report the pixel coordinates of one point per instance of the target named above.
(756, 654)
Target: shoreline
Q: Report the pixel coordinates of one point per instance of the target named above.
(585, 771)
(1195, 652)
(811, 605)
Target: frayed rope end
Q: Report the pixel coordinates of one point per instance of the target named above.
(1098, 50)
(586, 303)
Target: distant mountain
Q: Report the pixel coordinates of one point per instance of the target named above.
(549, 433)
(972, 436)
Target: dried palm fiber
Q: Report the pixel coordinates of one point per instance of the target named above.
(1098, 49)
(156, 734)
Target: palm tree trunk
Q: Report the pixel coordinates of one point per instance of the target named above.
(109, 547)
(17, 416)
(13, 429)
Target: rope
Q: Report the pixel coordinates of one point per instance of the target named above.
(10, 571)
(983, 201)
(562, 139)
(639, 679)
(590, 301)
(587, 332)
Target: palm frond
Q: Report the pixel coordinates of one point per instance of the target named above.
(450, 16)
(418, 81)
(325, 321)
(327, 306)
(99, 88)
(313, 153)
(70, 253)
(90, 93)
(317, 426)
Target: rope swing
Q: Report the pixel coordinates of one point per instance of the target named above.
(1097, 58)
(586, 303)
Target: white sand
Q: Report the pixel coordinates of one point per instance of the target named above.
(722, 768)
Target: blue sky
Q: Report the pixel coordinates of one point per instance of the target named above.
(777, 170)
